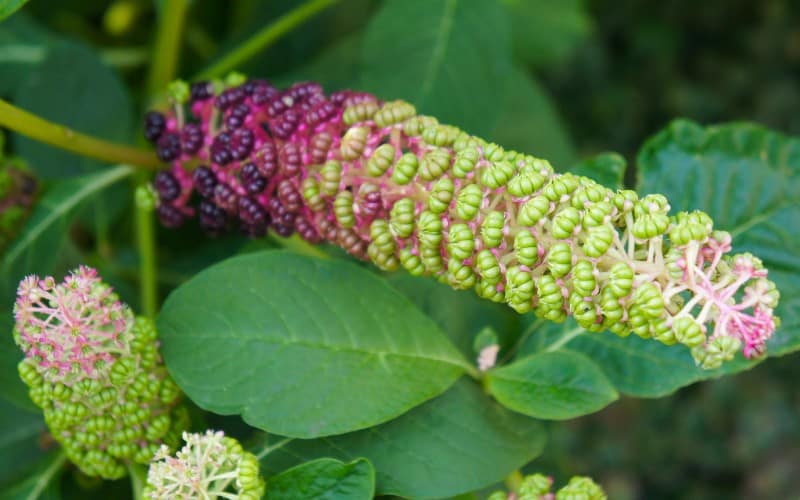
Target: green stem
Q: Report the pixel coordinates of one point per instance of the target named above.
(47, 475)
(167, 47)
(269, 449)
(146, 243)
(63, 137)
(138, 479)
(265, 38)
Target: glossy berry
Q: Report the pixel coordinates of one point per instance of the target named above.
(191, 138)
(166, 186)
(154, 125)
(200, 91)
(168, 146)
(204, 181)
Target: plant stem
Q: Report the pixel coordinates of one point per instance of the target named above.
(47, 475)
(513, 480)
(63, 137)
(269, 449)
(265, 38)
(146, 243)
(167, 46)
(138, 479)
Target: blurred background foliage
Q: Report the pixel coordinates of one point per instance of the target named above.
(560, 79)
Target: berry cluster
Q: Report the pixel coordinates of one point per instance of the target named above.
(210, 465)
(17, 195)
(403, 190)
(96, 372)
(538, 486)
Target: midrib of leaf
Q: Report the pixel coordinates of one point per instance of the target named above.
(440, 48)
(101, 181)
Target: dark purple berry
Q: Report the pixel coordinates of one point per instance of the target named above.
(338, 98)
(320, 113)
(279, 104)
(241, 145)
(212, 217)
(204, 181)
(154, 125)
(230, 97)
(282, 229)
(236, 116)
(306, 230)
(168, 147)
(263, 93)
(284, 125)
(252, 213)
(220, 153)
(169, 215)
(191, 138)
(372, 203)
(301, 91)
(201, 91)
(226, 197)
(252, 179)
(167, 186)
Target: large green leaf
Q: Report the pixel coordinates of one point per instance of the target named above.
(529, 121)
(748, 179)
(546, 31)
(450, 58)
(8, 7)
(303, 347)
(458, 442)
(42, 484)
(552, 385)
(606, 168)
(23, 45)
(325, 479)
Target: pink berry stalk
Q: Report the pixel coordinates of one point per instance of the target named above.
(95, 371)
(402, 190)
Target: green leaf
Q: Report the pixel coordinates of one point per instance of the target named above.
(324, 478)
(23, 45)
(459, 313)
(747, 178)
(545, 31)
(552, 385)
(8, 7)
(449, 58)
(73, 87)
(36, 248)
(43, 484)
(458, 442)
(529, 121)
(20, 431)
(606, 168)
(302, 347)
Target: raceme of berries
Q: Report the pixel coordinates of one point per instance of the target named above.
(209, 465)
(96, 372)
(538, 487)
(402, 190)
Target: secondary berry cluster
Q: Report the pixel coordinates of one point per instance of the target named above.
(538, 487)
(403, 190)
(96, 372)
(209, 465)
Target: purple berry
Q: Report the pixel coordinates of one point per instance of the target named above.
(263, 93)
(267, 160)
(204, 181)
(290, 159)
(320, 113)
(241, 145)
(168, 147)
(252, 179)
(252, 213)
(154, 125)
(212, 217)
(201, 91)
(290, 198)
(306, 230)
(230, 97)
(236, 116)
(301, 91)
(284, 125)
(220, 153)
(191, 138)
(167, 186)
(169, 215)
(225, 197)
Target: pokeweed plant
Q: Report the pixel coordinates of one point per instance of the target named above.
(357, 379)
